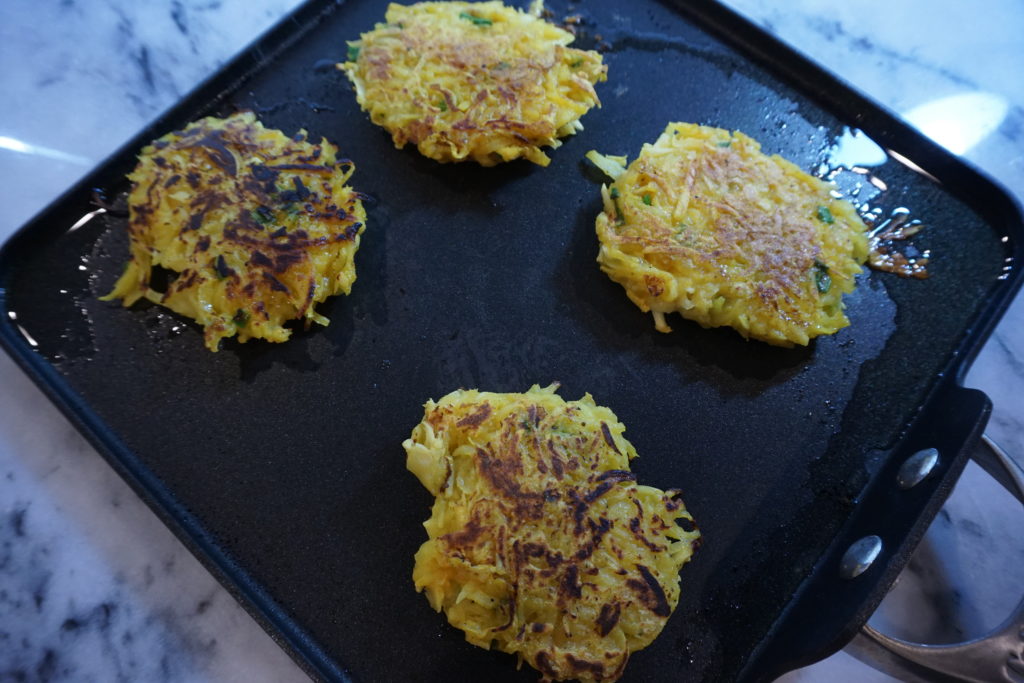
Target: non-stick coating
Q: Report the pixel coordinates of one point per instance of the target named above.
(289, 456)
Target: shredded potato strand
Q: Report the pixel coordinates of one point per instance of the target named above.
(257, 227)
(541, 543)
(473, 81)
(704, 224)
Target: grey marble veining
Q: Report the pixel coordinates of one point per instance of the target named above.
(94, 587)
(81, 77)
(942, 66)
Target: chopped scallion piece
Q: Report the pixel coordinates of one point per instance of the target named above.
(821, 277)
(725, 143)
(479, 21)
(614, 194)
(825, 216)
(647, 198)
(262, 215)
(611, 166)
(353, 53)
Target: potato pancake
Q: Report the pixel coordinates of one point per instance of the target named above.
(473, 81)
(254, 227)
(704, 224)
(541, 543)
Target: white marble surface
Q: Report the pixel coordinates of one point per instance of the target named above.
(93, 587)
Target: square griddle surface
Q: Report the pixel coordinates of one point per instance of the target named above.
(281, 464)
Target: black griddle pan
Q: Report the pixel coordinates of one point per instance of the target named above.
(280, 465)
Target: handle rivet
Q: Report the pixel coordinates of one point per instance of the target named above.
(859, 557)
(917, 467)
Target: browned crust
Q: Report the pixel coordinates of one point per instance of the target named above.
(778, 250)
(271, 255)
(503, 93)
(534, 472)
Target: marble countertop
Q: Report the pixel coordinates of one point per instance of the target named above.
(94, 587)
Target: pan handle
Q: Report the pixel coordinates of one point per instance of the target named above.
(995, 657)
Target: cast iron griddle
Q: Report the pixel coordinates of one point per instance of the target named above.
(281, 465)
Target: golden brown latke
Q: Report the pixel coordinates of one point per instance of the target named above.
(257, 227)
(541, 543)
(704, 224)
(473, 81)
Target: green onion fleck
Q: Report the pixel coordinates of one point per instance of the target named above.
(614, 194)
(725, 143)
(442, 105)
(478, 21)
(576, 64)
(647, 198)
(353, 53)
(262, 215)
(825, 216)
(241, 318)
(821, 277)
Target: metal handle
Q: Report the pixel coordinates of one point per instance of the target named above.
(995, 657)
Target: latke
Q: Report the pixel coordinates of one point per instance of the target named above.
(473, 81)
(704, 224)
(256, 228)
(541, 543)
